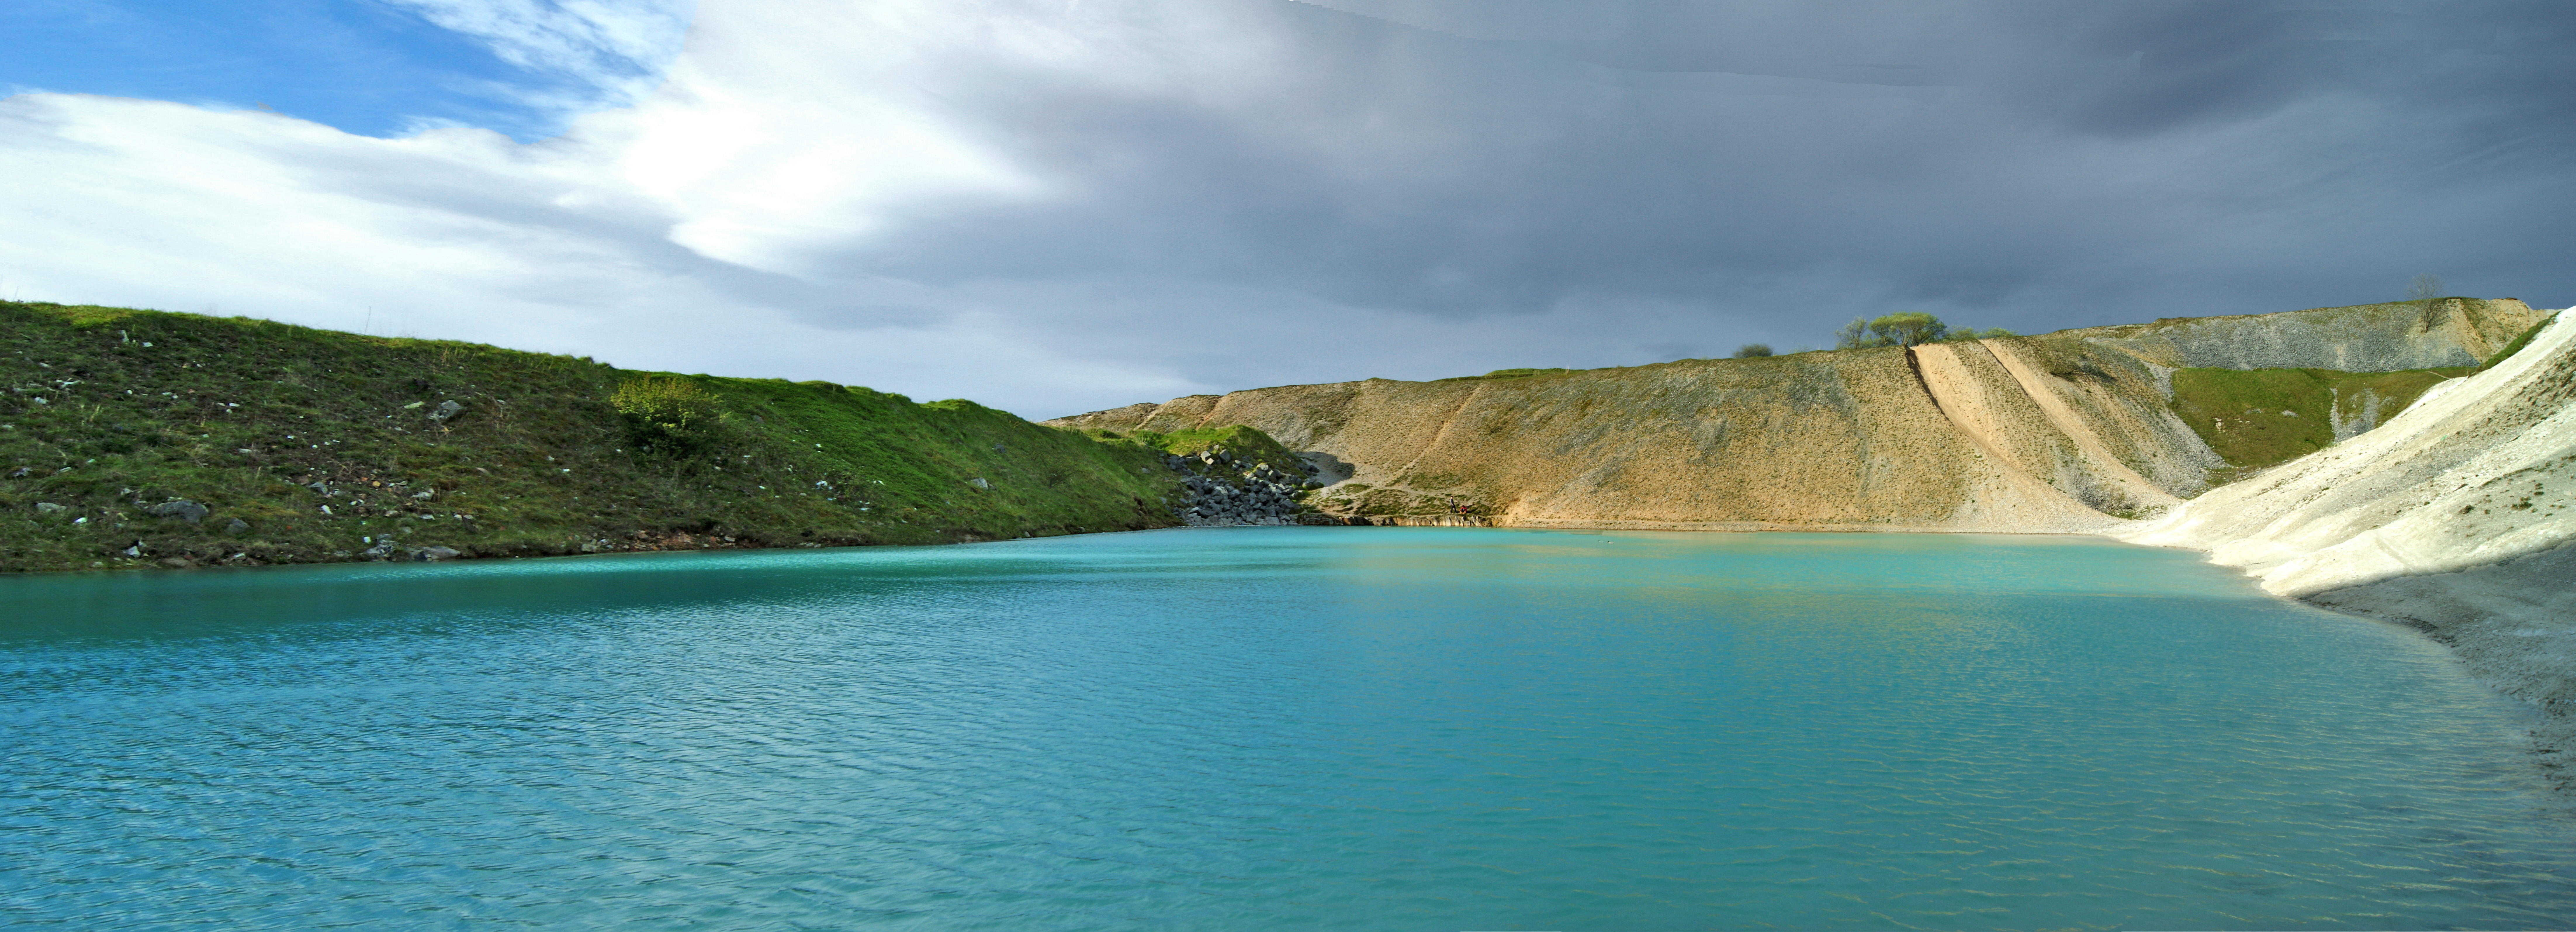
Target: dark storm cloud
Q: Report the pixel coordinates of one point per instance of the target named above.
(2001, 159)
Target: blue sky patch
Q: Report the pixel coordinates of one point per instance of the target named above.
(367, 67)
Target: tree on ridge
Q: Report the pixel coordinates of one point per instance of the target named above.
(2425, 287)
(1906, 328)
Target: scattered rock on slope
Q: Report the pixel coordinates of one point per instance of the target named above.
(182, 509)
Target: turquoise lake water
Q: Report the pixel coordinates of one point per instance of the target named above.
(1320, 728)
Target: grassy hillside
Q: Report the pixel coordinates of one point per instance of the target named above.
(1249, 445)
(2258, 417)
(308, 446)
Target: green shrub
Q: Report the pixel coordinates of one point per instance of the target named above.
(1906, 328)
(666, 414)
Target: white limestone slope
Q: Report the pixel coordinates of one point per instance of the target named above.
(2454, 516)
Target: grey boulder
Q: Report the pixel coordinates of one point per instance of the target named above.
(182, 509)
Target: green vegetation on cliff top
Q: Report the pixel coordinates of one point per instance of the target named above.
(1248, 445)
(107, 411)
(1513, 374)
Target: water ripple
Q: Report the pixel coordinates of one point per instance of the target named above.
(1270, 728)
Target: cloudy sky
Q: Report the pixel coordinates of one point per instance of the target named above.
(1059, 206)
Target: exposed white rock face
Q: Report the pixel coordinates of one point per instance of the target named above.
(2455, 516)
(2356, 416)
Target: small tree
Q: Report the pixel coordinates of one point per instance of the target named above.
(1752, 350)
(1905, 328)
(2425, 287)
(1908, 328)
(1856, 335)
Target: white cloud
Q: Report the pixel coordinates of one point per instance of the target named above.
(647, 235)
(705, 228)
(793, 133)
(608, 54)
(464, 234)
(453, 233)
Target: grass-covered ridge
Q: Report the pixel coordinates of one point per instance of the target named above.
(109, 411)
(1246, 444)
(2255, 418)
(1508, 374)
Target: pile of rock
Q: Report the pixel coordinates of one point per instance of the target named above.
(387, 550)
(1224, 490)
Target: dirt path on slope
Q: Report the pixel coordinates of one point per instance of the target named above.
(2013, 497)
(2074, 427)
(1962, 399)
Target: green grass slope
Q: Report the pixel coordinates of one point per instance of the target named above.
(2255, 418)
(108, 412)
(1244, 443)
